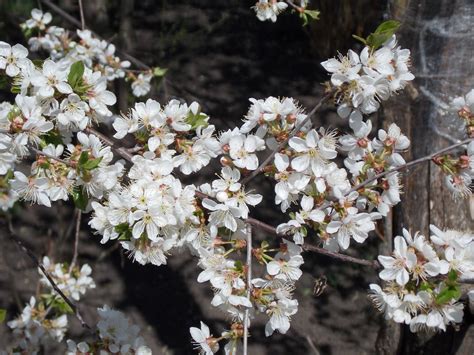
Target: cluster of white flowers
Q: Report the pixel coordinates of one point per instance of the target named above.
(72, 282)
(150, 212)
(148, 215)
(117, 336)
(177, 132)
(422, 276)
(270, 295)
(306, 173)
(53, 103)
(460, 170)
(96, 54)
(34, 327)
(364, 80)
(46, 317)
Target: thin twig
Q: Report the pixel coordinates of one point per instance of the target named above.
(311, 345)
(83, 21)
(411, 163)
(248, 229)
(120, 150)
(312, 248)
(40, 152)
(76, 239)
(293, 5)
(283, 144)
(272, 230)
(13, 236)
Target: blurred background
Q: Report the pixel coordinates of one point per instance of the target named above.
(219, 54)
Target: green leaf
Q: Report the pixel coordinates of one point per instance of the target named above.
(382, 34)
(452, 276)
(75, 74)
(122, 228)
(314, 14)
(197, 120)
(239, 266)
(92, 164)
(84, 158)
(3, 82)
(309, 14)
(3, 315)
(304, 231)
(425, 286)
(15, 89)
(448, 294)
(38, 63)
(159, 72)
(52, 137)
(61, 305)
(80, 198)
(390, 26)
(124, 231)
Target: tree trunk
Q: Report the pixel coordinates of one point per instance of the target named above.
(441, 39)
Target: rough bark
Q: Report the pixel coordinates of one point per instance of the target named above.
(441, 39)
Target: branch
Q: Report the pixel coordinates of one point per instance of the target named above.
(123, 152)
(76, 239)
(312, 248)
(83, 21)
(40, 152)
(248, 228)
(411, 163)
(13, 236)
(283, 144)
(293, 5)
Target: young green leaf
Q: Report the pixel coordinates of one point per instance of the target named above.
(382, 34)
(92, 164)
(75, 74)
(84, 158)
(197, 120)
(159, 72)
(80, 198)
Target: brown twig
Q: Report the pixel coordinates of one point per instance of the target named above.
(40, 152)
(81, 11)
(120, 150)
(312, 248)
(76, 239)
(248, 233)
(75, 308)
(283, 144)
